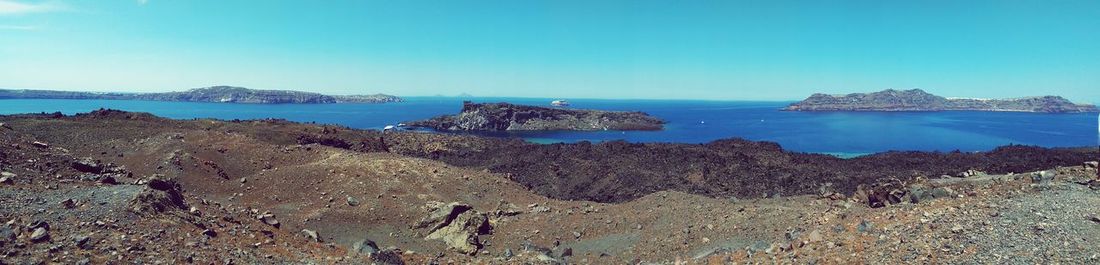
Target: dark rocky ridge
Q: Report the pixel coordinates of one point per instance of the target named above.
(620, 171)
(221, 94)
(511, 117)
(919, 100)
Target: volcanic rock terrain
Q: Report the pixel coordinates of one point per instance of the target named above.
(121, 187)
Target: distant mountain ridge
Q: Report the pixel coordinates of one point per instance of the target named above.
(218, 94)
(919, 100)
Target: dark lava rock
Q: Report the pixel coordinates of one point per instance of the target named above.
(68, 203)
(568, 252)
(162, 184)
(87, 165)
(109, 180)
(387, 257)
(619, 171)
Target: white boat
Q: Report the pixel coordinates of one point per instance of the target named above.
(559, 103)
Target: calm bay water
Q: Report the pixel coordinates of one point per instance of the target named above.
(841, 133)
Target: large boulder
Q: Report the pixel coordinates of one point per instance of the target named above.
(457, 225)
(442, 215)
(160, 195)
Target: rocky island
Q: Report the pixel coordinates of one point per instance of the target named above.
(511, 117)
(219, 94)
(919, 100)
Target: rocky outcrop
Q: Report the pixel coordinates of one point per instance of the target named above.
(919, 100)
(160, 195)
(511, 117)
(220, 94)
(457, 224)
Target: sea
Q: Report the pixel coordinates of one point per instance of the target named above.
(843, 134)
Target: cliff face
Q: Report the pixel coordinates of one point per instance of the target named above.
(918, 100)
(226, 94)
(510, 117)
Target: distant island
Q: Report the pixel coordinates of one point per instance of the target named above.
(919, 100)
(511, 117)
(220, 94)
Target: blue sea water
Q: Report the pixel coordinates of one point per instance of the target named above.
(839, 133)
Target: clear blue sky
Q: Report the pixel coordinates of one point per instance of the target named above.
(770, 50)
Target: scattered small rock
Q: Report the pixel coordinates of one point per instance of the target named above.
(68, 203)
(83, 242)
(971, 173)
(540, 209)
(311, 235)
(269, 219)
(40, 144)
(815, 236)
(40, 234)
(1044, 176)
(864, 226)
(352, 201)
(957, 228)
(209, 233)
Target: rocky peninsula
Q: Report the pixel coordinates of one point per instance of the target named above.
(512, 117)
(218, 94)
(919, 100)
